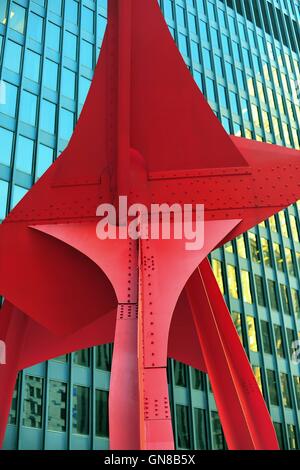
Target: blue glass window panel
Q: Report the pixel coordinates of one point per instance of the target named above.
(237, 130)
(24, 155)
(97, 53)
(229, 71)
(180, 14)
(182, 40)
(261, 45)
(233, 102)
(17, 194)
(198, 79)
(226, 124)
(236, 51)
(50, 74)
(172, 32)
(195, 52)
(232, 27)
(35, 27)
(211, 11)
(215, 38)
(246, 57)
(203, 31)
(210, 89)
(101, 28)
(87, 20)
(252, 39)
(55, 6)
(84, 86)
(17, 18)
(3, 198)
(80, 411)
(200, 6)
(192, 23)
(225, 43)
(2, 93)
(103, 4)
(222, 19)
(44, 160)
(48, 116)
(168, 9)
(53, 37)
(68, 83)
(222, 96)
(270, 50)
(219, 66)
(241, 79)
(245, 109)
(32, 65)
(190, 3)
(66, 124)
(1, 41)
(71, 11)
(28, 108)
(9, 107)
(256, 63)
(3, 11)
(242, 31)
(207, 59)
(6, 142)
(87, 54)
(70, 45)
(13, 52)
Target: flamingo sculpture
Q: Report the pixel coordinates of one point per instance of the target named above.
(145, 132)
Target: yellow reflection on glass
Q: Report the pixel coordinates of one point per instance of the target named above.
(241, 248)
(217, 269)
(257, 375)
(252, 333)
(232, 282)
(247, 295)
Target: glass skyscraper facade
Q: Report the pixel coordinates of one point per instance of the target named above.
(245, 57)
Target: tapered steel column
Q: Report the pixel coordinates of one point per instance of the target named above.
(243, 413)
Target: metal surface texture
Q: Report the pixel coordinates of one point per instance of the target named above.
(65, 289)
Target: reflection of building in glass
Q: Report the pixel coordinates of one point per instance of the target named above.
(244, 55)
(57, 406)
(33, 399)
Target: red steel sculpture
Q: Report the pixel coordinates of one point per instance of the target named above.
(145, 132)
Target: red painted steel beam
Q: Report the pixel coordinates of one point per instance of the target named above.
(124, 394)
(147, 132)
(29, 343)
(157, 259)
(11, 327)
(119, 95)
(141, 337)
(244, 416)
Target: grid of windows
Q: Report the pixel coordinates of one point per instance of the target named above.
(245, 58)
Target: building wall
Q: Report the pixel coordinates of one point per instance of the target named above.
(244, 55)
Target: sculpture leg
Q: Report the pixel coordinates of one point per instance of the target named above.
(243, 412)
(12, 326)
(124, 426)
(139, 412)
(153, 334)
